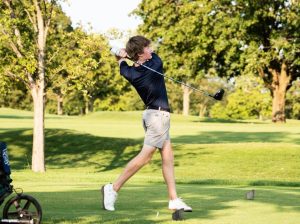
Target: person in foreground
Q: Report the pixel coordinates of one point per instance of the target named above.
(156, 120)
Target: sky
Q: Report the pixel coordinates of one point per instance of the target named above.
(103, 14)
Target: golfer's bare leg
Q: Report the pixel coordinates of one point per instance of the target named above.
(134, 165)
(168, 168)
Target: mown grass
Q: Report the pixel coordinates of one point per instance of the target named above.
(217, 162)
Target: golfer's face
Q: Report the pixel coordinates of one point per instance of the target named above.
(147, 53)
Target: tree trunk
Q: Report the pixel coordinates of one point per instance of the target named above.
(280, 83)
(38, 157)
(91, 105)
(87, 110)
(186, 100)
(59, 104)
(82, 111)
(278, 106)
(202, 110)
(38, 91)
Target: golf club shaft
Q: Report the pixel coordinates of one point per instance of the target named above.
(174, 80)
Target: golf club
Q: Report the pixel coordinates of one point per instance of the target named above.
(217, 96)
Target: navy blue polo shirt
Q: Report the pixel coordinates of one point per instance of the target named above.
(149, 85)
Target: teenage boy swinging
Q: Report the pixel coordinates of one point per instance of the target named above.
(156, 120)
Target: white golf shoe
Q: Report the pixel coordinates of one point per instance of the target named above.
(109, 197)
(178, 204)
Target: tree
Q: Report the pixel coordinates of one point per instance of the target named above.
(82, 72)
(249, 100)
(16, 96)
(272, 40)
(24, 26)
(231, 37)
(61, 45)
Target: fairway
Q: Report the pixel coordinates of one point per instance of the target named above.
(216, 163)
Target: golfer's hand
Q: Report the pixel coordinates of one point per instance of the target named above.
(123, 53)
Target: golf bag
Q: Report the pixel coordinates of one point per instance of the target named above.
(20, 208)
(5, 180)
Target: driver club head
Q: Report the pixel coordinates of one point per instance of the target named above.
(219, 94)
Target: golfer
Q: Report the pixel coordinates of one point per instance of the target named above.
(156, 120)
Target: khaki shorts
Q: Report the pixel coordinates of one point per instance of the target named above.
(156, 124)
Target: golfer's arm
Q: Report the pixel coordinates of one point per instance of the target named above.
(121, 60)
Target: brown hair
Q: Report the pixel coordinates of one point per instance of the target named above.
(135, 46)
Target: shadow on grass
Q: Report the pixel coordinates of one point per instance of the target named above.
(240, 182)
(15, 117)
(67, 149)
(24, 117)
(148, 204)
(236, 137)
(220, 120)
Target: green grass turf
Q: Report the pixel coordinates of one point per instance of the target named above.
(216, 163)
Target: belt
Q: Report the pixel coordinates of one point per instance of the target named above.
(158, 108)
